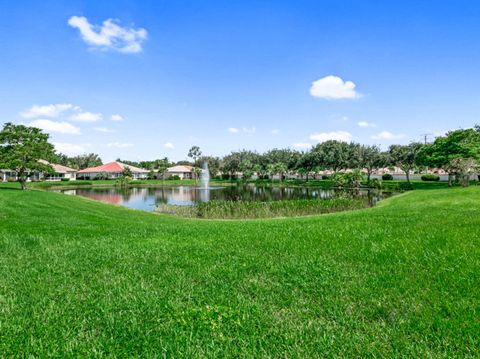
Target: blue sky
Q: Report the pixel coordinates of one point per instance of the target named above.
(227, 75)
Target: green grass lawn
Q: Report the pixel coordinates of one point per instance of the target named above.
(84, 279)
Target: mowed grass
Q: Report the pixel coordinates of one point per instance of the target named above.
(84, 279)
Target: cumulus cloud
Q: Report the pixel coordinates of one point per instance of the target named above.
(53, 110)
(86, 117)
(110, 35)
(333, 88)
(56, 127)
(335, 135)
(104, 130)
(70, 148)
(302, 145)
(120, 145)
(116, 118)
(366, 124)
(385, 135)
(169, 145)
(233, 130)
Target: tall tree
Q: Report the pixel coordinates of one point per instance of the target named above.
(162, 167)
(306, 164)
(332, 154)
(445, 149)
(231, 164)
(286, 156)
(370, 158)
(246, 166)
(194, 153)
(79, 162)
(281, 168)
(21, 149)
(405, 156)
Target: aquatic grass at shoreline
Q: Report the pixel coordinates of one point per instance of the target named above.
(271, 209)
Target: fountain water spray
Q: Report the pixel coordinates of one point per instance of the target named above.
(205, 176)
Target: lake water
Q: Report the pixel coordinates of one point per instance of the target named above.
(147, 198)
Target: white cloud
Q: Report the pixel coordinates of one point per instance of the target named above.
(104, 130)
(275, 131)
(120, 145)
(336, 135)
(366, 124)
(169, 145)
(302, 145)
(333, 88)
(86, 117)
(56, 127)
(385, 135)
(109, 35)
(116, 118)
(70, 149)
(46, 110)
(247, 130)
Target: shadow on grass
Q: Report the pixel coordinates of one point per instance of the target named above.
(10, 186)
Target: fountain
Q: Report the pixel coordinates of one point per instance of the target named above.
(205, 176)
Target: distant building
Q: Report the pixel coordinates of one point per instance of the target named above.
(60, 172)
(6, 174)
(184, 172)
(112, 170)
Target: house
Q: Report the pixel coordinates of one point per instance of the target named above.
(112, 170)
(6, 175)
(60, 172)
(184, 172)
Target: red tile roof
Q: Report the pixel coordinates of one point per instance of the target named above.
(112, 167)
(58, 168)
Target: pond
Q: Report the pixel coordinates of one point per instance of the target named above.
(149, 198)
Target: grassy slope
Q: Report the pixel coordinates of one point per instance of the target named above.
(83, 278)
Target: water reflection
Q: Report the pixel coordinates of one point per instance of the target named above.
(147, 198)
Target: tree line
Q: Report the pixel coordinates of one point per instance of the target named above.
(457, 153)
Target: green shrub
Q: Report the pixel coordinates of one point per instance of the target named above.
(151, 175)
(430, 178)
(174, 178)
(387, 177)
(101, 176)
(325, 177)
(11, 179)
(376, 183)
(65, 179)
(123, 181)
(405, 186)
(347, 180)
